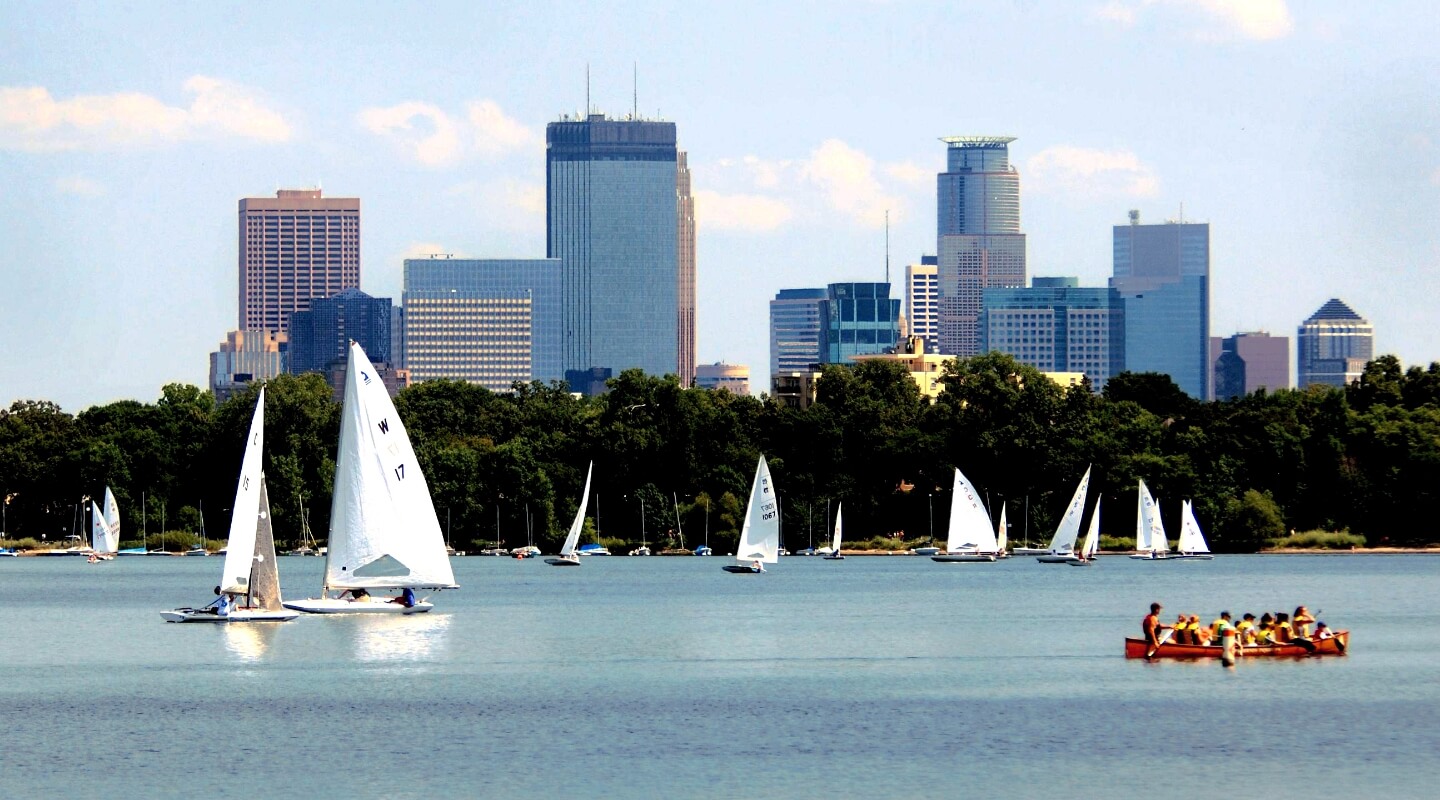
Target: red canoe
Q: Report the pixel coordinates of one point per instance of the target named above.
(1334, 646)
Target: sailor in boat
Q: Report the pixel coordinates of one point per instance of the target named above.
(405, 598)
(1151, 627)
(757, 566)
(356, 595)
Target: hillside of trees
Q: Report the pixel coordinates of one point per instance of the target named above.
(1365, 459)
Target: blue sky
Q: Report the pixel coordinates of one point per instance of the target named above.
(1306, 133)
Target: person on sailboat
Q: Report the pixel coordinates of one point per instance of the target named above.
(222, 603)
(757, 566)
(405, 598)
(1151, 626)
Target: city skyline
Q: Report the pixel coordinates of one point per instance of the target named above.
(124, 163)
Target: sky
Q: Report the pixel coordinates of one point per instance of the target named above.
(1306, 133)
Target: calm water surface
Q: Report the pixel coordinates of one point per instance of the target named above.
(664, 677)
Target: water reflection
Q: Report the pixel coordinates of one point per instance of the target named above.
(248, 642)
(394, 637)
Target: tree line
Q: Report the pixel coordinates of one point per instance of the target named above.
(509, 467)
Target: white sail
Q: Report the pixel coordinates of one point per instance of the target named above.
(760, 534)
(1092, 534)
(573, 538)
(1191, 539)
(112, 525)
(835, 546)
(240, 546)
(1002, 532)
(97, 528)
(383, 529)
(1143, 504)
(1069, 528)
(969, 521)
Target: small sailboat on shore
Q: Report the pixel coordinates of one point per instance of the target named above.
(1062, 545)
(834, 554)
(384, 533)
(760, 533)
(969, 538)
(249, 589)
(1150, 541)
(1192, 545)
(569, 556)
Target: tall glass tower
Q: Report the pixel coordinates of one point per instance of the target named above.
(980, 243)
(611, 218)
(796, 330)
(1162, 273)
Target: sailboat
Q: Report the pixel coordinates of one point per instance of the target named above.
(568, 556)
(249, 570)
(1002, 535)
(760, 534)
(834, 554)
(384, 533)
(1062, 545)
(970, 537)
(104, 529)
(1192, 544)
(1150, 541)
(1086, 556)
(1025, 549)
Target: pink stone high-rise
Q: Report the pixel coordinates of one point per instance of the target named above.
(295, 247)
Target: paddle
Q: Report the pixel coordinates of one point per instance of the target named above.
(1164, 637)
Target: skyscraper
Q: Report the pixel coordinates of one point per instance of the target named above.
(486, 321)
(795, 330)
(1162, 273)
(980, 245)
(295, 247)
(612, 219)
(1246, 362)
(685, 215)
(1058, 326)
(1333, 345)
(857, 319)
(243, 357)
(321, 336)
(922, 297)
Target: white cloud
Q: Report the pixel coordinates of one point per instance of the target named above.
(434, 137)
(846, 177)
(426, 249)
(1259, 20)
(31, 119)
(740, 212)
(911, 174)
(81, 187)
(1065, 169)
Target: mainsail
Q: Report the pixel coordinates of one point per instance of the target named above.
(240, 547)
(969, 522)
(1092, 534)
(264, 574)
(760, 534)
(1149, 528)
(383, 529)
(1069, 528)
(835, 546)
(111, 526)
(1191, 539)
(573, 538)
(1002, 532)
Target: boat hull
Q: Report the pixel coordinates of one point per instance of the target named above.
(835, 557)
(1080, 562)
(331, 605)
(963, 558)
(1030, 551)
(562, 561)
(1147, 557)
(739, 570)
(1055, 558)
(1334, 646)
(238, 615)
(927, 551)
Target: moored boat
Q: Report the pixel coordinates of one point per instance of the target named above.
(1333, 646)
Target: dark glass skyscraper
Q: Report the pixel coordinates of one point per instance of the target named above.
(1162, 273)
(857, 319)
(795, 330)
(611, 218)
(321, 336)
(980, 245)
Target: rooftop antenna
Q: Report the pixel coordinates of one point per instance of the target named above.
(887, 245)
(587, 90)
(1182, 212)
(634, 90)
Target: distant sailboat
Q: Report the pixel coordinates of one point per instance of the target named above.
(760, 534)
(1002, 535)
(384, 533)
(1150, 541)
(569, 556)
(1086, 556)
(105, 527)
(1062, 545)
(834, 554)
(249, 570)
(970, 537)
(1192, 542)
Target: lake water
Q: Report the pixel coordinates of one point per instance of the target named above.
(665, 677)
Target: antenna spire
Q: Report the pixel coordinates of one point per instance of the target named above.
(587, 90)
(887, 245)
(634, 90)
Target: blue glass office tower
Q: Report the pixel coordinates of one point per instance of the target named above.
(1333, 346)
(1058, 326)
(980, 245)
(611, 220)
(321, 336)
(857, 319)
(486, 321)
(795, 330)
(1162, 273)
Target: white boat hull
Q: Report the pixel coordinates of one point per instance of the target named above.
(238, 615)
(1149, 557)
(1193, 557)
(834, 557)
(1030, 551)
(563, 561)
(963, 558)
(1080, 562)
(1055, 558)
(926, 551)
(331, 605)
